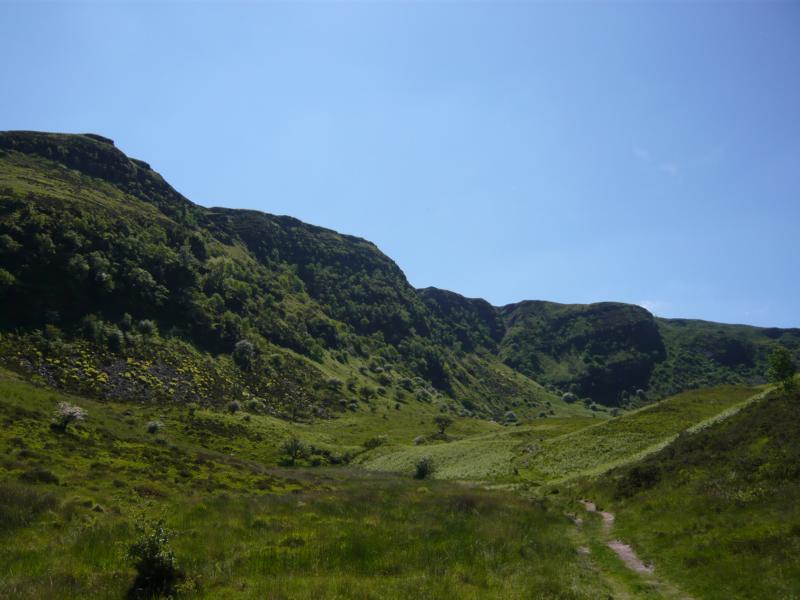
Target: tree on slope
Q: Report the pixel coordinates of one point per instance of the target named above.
(782, 368)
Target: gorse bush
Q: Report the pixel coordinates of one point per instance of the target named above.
(66, 414)
(374, 442)
(155, 562)
(293, 448)
(424, 468)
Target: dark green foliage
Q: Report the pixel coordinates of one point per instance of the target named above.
(424, 468)
(600, 348)
(442, 422)
(155, 562)
(782, 368)
(702, 354)
(96, 247)
(293, 448)
(375, 442)
(470, 323)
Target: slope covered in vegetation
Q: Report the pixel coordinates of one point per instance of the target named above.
(716, 510)
(237, 526)
(113, 284)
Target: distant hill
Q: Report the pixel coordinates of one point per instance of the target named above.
(105, 269)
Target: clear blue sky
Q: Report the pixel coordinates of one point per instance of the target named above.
(647, 153)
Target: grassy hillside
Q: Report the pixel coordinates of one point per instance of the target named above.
(716, 510)
(102, 261)
(595, 449)
(70, 502)
(591, 349)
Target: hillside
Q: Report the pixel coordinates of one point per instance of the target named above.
(113, 284)
(240, 527)
(719, 505)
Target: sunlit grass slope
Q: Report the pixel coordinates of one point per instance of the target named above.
(595, 449)
(69, 503)
(717, 510)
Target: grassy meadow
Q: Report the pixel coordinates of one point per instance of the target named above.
(350, 521)
(69, 503)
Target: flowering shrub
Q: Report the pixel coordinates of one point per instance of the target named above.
(67, 413)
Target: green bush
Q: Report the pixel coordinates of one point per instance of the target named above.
(424, 468)
(155, 563)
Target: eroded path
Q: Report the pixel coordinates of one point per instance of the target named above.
(603, 535)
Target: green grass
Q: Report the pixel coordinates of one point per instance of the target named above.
(598, 448)
(716, 511)
(69, 502)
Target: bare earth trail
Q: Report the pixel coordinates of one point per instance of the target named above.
(628, 556)
(620, 548)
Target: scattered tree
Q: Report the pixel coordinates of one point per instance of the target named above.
(243, 354)
(782, 368)
(66, 414)
(442, 422)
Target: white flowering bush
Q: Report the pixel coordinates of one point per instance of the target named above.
(66, 414)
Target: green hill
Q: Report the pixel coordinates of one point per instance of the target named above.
(115, 285)
(716, 510)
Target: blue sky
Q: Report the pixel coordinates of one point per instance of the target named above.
(577, 152)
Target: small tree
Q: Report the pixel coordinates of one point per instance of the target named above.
(293, 448)
(424, 468)
(154, 560)
(67, 413)
(442, 422)
(782, 368)
(244, 354)
(233, 406)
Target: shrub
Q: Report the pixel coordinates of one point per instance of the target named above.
(233, 406)
(155, 563)
(510, 417)
(424, 468)
(782, 368)
(38, 475)
(442, 422)
(407, 384)
(243, 354)
(116, 340)
(419, 440)
(66, 414)
(569, 398)
(374, 442)
(154, 426)
(293, 448)
(147, 327)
